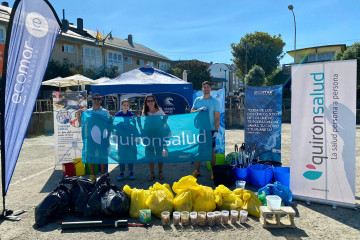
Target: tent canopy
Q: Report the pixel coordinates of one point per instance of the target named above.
(146, 80)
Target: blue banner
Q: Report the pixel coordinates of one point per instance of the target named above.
(177, 138)
(220, 96)
(171, 103)
(34, 28)
(263, 122)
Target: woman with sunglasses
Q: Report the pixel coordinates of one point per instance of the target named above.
(151, 108)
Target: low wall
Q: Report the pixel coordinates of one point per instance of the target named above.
(43, 123)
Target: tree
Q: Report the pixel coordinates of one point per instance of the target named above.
(277, 78)
(352, 52)
(255, 77)
(197, 72)
(258, 48)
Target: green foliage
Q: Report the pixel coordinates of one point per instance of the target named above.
(277, 78)
(65, 69)
(260, 49)
(255, 77)
(352, 52)
(197, 72)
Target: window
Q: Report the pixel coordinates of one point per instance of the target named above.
(128, 60)
(114, 59)
(150, 63)
(2, 35)
(140, 62)
(68, 48)
(320, 57)
(164, 66)
(91, 57)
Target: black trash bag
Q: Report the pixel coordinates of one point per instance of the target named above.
(55, 206)
(107, 200)
(80, 194)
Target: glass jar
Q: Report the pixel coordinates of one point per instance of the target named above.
(165, 218)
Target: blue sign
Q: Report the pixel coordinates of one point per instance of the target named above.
(34, 29)
(177, 138)
(263, 122)
(171, 103)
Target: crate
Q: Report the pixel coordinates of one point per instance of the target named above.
(283, 218)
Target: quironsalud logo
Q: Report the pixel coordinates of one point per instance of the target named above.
(312, 174)
(36, 25)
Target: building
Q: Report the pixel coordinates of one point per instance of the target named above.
(224, 76)
(79, 46)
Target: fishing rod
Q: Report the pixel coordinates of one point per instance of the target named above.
(102, 224)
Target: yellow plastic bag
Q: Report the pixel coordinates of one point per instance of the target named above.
(184, 184)
(183, 202)
(138, 198)
(160, 199)
(251, 203)
(226, 199)
(205, 200)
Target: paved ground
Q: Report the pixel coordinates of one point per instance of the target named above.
(35, 177)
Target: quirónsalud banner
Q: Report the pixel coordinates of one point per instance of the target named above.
(263, 122)
(323, 132)
(176, 138)
(31, 36)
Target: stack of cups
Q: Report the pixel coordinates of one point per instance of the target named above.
(193, 218)
(234, 216)
(224, 217)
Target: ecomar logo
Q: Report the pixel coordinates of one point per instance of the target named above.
(36, 25)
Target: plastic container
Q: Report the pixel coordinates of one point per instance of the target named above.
(79, 167)
(241, 174)
(224, 217)
(220, 160)
(282, 174)
(217, 217)
(165, 218)
(176, 218)
(68, 169)
(223, 174)
(185, 218)
(210, 218)
(273, 202)
(260, 174)
(240, 184)
(145, 215)
(202, 218)
(193, 218)
(87, 168)
(243, 216)
(234, 216)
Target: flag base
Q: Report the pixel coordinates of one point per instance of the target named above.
(10, 215)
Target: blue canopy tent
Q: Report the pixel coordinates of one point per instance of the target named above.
(146, 80)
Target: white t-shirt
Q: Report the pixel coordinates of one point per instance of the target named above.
(160, 112)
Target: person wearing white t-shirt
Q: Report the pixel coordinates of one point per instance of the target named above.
(151, 108)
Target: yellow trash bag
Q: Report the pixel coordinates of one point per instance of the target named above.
(138, 197)
(251, 203)
(226, 199)
(205, 200)
(183, 201)
(184, 184)
(160, 199)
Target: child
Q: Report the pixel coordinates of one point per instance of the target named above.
(125, 112)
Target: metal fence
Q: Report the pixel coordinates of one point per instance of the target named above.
(43, 106)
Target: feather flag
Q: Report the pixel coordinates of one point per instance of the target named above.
(98, 36)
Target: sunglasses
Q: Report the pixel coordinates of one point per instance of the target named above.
(152, 100)
(97, 99)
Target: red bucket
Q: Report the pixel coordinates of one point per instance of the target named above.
(69, 169)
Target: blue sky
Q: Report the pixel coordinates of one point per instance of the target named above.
(204, 30)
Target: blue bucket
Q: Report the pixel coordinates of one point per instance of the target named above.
(241, 174)
(260, 174)
(282, 174)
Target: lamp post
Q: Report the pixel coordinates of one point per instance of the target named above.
(291, 8)
(101, 42)
(225, 79)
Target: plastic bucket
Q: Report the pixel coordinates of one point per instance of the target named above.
(273, 202)
(220, 160)
(241, 174)
(260, 174)
(87, 168)
(79, 167)
(282, 174)
(223, 174)
(68, 169)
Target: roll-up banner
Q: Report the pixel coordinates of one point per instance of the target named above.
(323, 127)
(31, 36)
(263, 122)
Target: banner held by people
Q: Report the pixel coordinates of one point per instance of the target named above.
(176, 138)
